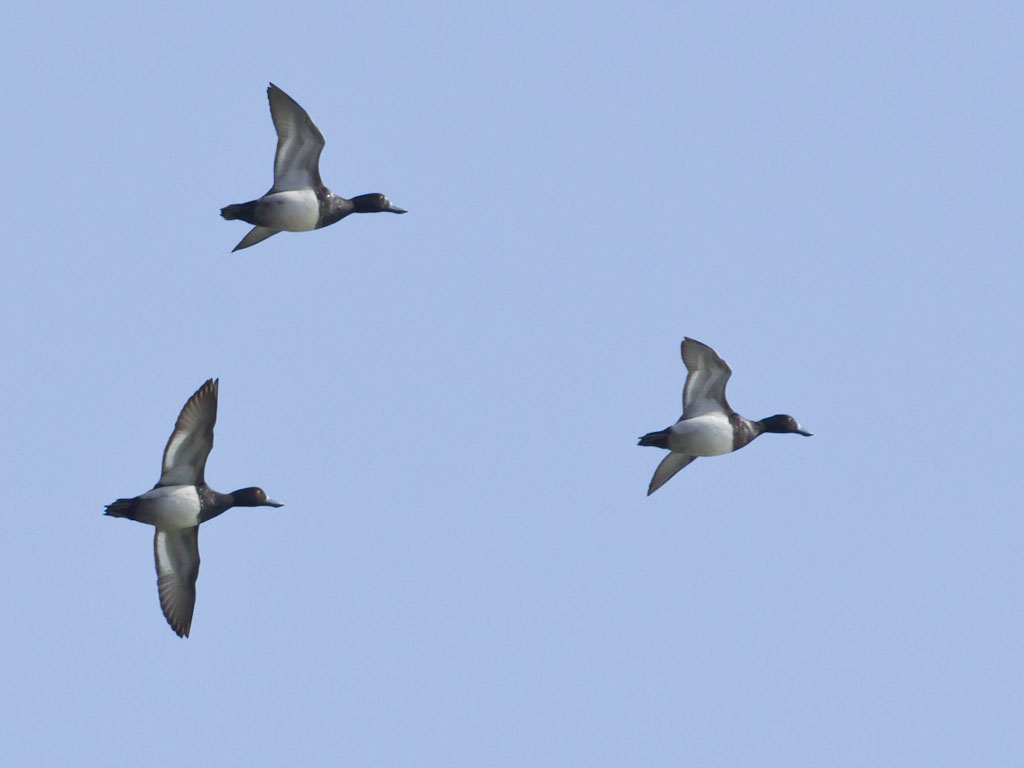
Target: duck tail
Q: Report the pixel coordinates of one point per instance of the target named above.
(243, 211)
(655, 439)
(121, 508)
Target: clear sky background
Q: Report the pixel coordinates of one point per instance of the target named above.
(467, 571)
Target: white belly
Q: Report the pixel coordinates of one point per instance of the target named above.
(293, 211)
(170, 506)
(709, 435)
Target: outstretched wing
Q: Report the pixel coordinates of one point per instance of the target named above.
(667, 468)
(299, 144)
(256, 235)
(192, 439)
(704, 391)
(177, 568)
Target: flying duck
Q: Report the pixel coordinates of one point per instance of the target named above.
(180, 502)
(708, 426)
(298, 201)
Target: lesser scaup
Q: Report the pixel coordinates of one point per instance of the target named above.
(180, 502)
(708, 426)
(298, 201)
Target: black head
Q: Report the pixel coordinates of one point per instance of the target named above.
(783, 423)
(253, 497)
(374, 202)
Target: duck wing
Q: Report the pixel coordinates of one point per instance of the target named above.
(256, 235)
(299, 144)
(667, 468)
(704, 391)
(192, 439)
(177, 568)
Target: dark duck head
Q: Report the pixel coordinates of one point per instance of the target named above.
(782, 424)
(252, 497)
(374, 202)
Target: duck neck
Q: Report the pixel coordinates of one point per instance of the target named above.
(744, 430)
(333, 208)
(213, 503)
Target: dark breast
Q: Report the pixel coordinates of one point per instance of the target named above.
(332, 207)
(743, 431)
(211, 503)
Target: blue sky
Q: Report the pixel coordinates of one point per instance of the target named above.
(467, 570)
